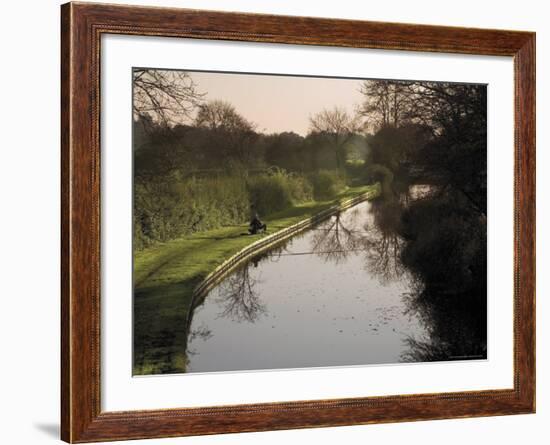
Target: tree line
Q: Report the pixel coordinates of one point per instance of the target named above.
(189, 151)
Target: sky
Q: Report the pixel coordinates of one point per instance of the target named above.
(279, 103)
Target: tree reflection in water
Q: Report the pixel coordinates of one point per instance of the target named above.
(382, 241)
(377, 236)
(445, 250)
(456, 325)
(336, 239)
(238, 297)
(202, 332)
(439, 241)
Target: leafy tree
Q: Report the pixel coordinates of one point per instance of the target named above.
(285, 150)
(228, 130)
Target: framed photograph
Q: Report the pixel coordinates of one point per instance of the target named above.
(274, 222)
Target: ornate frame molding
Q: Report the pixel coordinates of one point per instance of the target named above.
(82, 25)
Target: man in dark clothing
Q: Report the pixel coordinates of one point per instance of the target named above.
(256, 225)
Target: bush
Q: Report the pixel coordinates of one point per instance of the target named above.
(327, 183)
(383, 175)
(169, 207)
(355, 168)
(301, 189)
(278, 190)
(166, 209)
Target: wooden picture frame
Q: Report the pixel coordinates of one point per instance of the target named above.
(82, 26)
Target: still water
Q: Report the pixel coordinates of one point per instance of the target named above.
(332, 296)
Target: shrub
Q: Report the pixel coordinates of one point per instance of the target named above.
(327, 183)
(278, 190)
(166, 209)
(169, 207)
(301, 189)
(355, 168)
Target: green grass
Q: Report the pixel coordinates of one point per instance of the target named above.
(166, 274)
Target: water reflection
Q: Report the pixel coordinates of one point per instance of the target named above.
(336, 239)
(445, 250)
(383, 240)
(360, 288)
(238, 297)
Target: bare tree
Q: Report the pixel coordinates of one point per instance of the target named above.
(165, 97)
(435, 105)
(386, 103)
(339, 126)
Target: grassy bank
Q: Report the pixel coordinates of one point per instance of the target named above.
(165, 276)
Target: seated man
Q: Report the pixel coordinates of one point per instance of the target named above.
(256, 225)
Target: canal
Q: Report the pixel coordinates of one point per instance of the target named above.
(335, 295)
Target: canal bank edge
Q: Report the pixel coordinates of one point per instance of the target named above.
(269, 241)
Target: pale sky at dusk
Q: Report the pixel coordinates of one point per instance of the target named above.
(279, 103)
